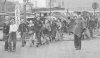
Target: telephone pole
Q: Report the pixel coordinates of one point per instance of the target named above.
(24, 9)
(50, 9)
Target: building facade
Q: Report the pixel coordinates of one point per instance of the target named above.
(74, 5)
(55, 3)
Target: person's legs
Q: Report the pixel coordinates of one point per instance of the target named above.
(80, 43)
(75, 38)
(6, 42)
(91, 32)
(47, 39)
(23, 39)
(87, 37)
(14, 41)
(38, 38)
(33, 38)
(30, 40)
(77, 42)
(9, 42)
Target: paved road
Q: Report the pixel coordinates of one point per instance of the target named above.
(61, 49)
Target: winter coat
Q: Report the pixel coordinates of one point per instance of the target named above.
(79, 28)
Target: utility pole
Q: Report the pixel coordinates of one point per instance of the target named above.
(24, 9)
(50, 9)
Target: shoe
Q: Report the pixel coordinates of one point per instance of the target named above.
(13, 50)
(37, 46)
(9, 50)
(78, 48)
(30, 45)
(22, 45)
(6, 49)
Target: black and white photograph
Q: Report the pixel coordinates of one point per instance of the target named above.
(49, 28)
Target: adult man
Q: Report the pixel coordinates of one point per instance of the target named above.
(38, 27)
(23, 29)
(12, 36)
(6, 34)
(78, 34)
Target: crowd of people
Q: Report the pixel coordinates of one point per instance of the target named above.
(44, 31)
(40, 32)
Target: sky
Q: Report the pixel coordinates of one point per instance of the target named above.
(40, 3)
(69, 3)
(21, 1)
(81, 4)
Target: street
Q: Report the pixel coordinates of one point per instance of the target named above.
(60, 49)
(49, 29)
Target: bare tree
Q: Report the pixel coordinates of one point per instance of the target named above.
(30, 4)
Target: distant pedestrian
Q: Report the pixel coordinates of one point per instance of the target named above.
(91, 26)
(12, 36)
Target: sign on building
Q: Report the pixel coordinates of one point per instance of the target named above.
(17, 14)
